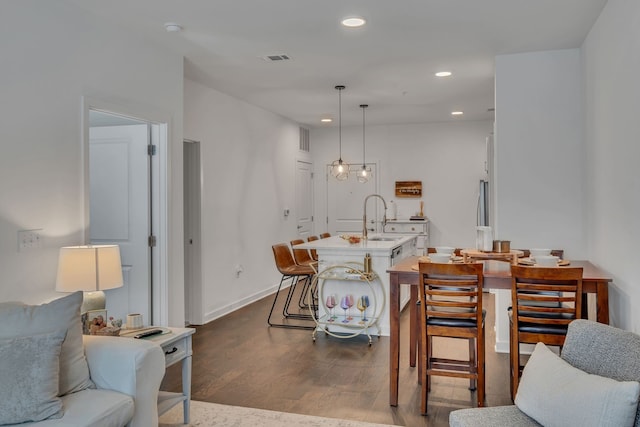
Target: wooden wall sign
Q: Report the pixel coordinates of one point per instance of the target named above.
(408, 188)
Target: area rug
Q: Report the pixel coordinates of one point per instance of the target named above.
(205, 414)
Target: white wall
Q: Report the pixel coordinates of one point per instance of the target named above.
(248, 168)
(612, 67)
(540, 151)
(53, 54)
(447, 157)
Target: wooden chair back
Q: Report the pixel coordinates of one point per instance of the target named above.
(451, 294)
(544, 300)
(555, 252)
(433, 251)
(325, 235)
(285, 263)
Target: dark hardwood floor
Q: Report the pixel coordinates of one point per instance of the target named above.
(240, 360)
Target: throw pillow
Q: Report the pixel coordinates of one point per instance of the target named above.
(29, 368)
(554, 393)
(59, 314)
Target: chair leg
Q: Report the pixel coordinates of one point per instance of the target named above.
(472, 362)
(481, 369)
(420, 350)
(424, 379)
(286, 306)
(515, 363)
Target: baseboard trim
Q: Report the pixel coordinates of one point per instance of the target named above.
(229, 308)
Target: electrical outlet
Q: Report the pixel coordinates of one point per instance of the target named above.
(29, 239)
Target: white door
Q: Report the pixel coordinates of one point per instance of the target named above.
(304, 198)
(345, 201)
(120, 213)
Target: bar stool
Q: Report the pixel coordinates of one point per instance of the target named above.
(325, 235)
(303, 257)
(313, 252)
(287, 266)
(544, 300)
(451, 296)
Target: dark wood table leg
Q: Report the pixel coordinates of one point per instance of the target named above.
(394, 346)
(602, 301)
(413, 333)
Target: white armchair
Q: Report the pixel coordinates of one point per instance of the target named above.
(129, 366)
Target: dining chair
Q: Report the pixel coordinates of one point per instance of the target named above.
(313, 252)
(451, 296)
(414, 331)
(287, 266)
(325, 235)
(544, 300)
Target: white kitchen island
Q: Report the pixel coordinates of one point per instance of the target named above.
(385, 250)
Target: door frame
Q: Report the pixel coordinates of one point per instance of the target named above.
(192, 227)
(311, 196)
(160, 129)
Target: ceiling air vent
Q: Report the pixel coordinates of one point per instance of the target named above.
(276, 57)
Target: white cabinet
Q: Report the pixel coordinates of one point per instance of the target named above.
(409, 228)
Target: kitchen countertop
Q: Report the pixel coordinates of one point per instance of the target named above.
(373, 246)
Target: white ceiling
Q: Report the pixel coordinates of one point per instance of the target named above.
(388, 64)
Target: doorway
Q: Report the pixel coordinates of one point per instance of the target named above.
(124, 181)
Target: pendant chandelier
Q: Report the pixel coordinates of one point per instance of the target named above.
(339, 169)
(364, 173)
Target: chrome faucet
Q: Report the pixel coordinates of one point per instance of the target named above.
(364, 214)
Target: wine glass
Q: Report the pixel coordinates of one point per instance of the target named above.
(331, 303)
(363, 303)
(350, 303)
(344, 304)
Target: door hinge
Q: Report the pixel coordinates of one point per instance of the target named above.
(151, 150)
(152, 241)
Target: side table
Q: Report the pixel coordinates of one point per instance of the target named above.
(177, 348)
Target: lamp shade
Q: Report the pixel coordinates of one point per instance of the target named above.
(89, 268)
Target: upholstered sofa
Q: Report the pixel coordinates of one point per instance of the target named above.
(594, 382)
(52, 375)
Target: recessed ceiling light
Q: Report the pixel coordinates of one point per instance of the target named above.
(326, 120)
(443, 73)
(353, 22)
(172, 27)
(457, 113)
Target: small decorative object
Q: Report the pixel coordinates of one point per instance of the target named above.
(351, 238)
(116, 323)
(93, 321)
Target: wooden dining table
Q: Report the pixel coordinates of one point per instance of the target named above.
(496, 276)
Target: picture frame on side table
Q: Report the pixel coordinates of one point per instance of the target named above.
(93, 320)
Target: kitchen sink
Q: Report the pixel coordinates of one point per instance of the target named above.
(382, 239)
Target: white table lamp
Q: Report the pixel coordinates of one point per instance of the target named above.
(91, 269)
